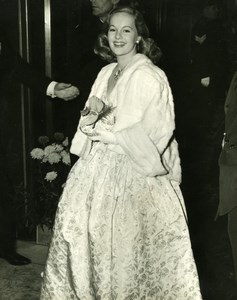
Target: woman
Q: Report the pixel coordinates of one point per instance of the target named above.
(121, 231)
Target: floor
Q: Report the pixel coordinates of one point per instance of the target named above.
(23, 282)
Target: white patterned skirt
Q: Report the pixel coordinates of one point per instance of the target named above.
(119, 235)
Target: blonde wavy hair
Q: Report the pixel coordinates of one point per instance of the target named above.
(146, 45)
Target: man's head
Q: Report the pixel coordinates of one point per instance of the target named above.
(101, 8)
(212, 9)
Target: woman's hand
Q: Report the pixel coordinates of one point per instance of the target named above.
(104, 136)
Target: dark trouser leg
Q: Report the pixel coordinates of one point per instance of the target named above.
(7, 215)
(8, 223)
(232, 231)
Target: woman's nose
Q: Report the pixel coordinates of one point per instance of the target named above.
(118, 35)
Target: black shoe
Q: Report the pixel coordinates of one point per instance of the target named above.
(16, 259)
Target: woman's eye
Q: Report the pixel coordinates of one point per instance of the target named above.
(111, 30)
(126, 30)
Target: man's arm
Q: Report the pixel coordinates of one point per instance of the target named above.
(27, 75)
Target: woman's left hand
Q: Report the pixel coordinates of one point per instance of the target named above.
(104, 136)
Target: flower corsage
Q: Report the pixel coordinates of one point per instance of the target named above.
(95, 110)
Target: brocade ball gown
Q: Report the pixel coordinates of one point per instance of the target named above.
(119, 235)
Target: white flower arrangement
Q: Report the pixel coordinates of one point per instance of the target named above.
(52, 154)
(52, 162)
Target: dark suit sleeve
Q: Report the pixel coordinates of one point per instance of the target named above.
(25, 74)
(13, 67)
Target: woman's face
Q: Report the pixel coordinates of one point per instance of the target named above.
(122, 35)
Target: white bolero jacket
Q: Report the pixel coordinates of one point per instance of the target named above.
(144, 116)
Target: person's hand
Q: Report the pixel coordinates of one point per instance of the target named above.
(66, 91)
(104, 136)
(205, 81)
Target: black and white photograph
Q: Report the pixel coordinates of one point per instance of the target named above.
(118, 149)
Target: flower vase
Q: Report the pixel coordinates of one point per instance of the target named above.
(43, 235)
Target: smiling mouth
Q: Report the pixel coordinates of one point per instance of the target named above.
(119, 44)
